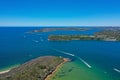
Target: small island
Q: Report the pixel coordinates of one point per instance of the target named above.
(37, 69)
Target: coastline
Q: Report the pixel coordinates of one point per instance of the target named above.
(6, 70)
(57, 68)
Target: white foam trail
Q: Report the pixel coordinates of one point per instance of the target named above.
(116, 70)
(64, 52)
(85, 63)
(75, 56)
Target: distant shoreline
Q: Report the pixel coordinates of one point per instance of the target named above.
(57, 68)
(58, 29)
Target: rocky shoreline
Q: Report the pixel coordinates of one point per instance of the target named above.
(53, 73)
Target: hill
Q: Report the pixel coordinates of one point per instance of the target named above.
(36, 69)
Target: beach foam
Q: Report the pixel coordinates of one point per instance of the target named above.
(2, 72)
(7, 69)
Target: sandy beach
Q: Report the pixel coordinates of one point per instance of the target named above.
(2, 72)
(9, 68)
(57, 68)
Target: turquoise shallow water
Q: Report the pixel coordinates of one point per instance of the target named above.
(78, 71)
(17, 47)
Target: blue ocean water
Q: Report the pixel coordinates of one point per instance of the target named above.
(17, 47)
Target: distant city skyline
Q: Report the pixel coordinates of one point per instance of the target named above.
(59, 13)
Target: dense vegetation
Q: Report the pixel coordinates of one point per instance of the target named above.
(59, 29)
(70, 37)
(106, 35)
(109, 35)
(36, 69)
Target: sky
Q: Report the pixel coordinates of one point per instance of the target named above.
(59, 12)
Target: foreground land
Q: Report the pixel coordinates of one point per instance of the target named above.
(57, 68)
(36, 69)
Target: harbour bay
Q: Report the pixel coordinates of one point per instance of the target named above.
(99, 59)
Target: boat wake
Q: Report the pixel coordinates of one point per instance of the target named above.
(116, 70)
(85, 62)
(64, 52)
